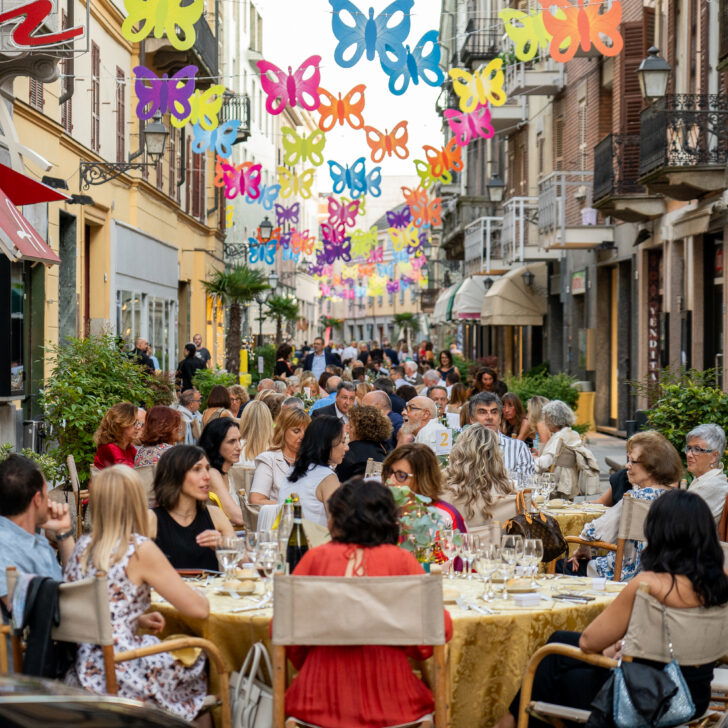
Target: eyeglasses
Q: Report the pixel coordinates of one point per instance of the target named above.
(412, 408)
(401, 477)
(697, 450)
(633, 462)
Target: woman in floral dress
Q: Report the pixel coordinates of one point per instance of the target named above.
(118, 545)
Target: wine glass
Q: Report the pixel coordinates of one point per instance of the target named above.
(532, 556)
(511, 550)
(471, 544)
(228, 553)
(251, 544)
(488, 561)
(266, 562)
(449, 549)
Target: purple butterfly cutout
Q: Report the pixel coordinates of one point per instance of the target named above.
(288, 214)
(392, 286)
(399, 218)
(406, 281)
(164, 94)
(285, 239)
(336, 251)
(316, 270)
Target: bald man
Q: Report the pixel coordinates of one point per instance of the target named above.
(381, 401)
(422, 423)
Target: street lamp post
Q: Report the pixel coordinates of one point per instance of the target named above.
(653, 74)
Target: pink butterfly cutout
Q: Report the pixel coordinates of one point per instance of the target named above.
(343, 213)
(291, 89)
(238, 179)
(377, 255)
(333, 233)
(466, 127)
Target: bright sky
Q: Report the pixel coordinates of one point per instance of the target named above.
(297, 29)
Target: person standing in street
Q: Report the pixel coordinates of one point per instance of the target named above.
(200, 351)
(188, 366)
(139, 354)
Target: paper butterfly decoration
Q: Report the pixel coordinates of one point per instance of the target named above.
(584, 26)
(362, 204)
(293, 184)
(403, 237)
(467, 127)
(376, 286)
(337, 250)
(527, 32)
(422, 63)
(425, 174)
(162, 17)
(302, 149)
(302, 242)
(262, 252)
(239, 179)
(291, 89)
(219, 140)
(399, 218)
(268, 195)
(342, 111)
(425, 212)
(417, 249)
(386, 269)
(342, 213)
(356, 179)
(485, 85)
(450, 157)
(229, 212)
(164, 94)
(382, 36)
(376, 255)
(315, 269)
(388, 144)
(288, 214)
(288, 254)
(393, 287)
(362, 241)
(400, 256)
(332, 232)
(366, 270)
(204, 108)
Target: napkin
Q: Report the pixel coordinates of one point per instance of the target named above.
(532, 599)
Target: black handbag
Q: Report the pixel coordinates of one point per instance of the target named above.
(537, 524)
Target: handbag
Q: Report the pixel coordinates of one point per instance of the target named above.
(537, 525)
(251, 697)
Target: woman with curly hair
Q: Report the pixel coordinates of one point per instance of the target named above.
(476, 481)
(162, 429)
(370, 432)
(115, 436)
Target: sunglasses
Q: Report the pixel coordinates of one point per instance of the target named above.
(697, 450)
(400, 476)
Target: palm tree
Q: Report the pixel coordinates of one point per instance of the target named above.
(406, 322)
(235, 287)
(282, 308)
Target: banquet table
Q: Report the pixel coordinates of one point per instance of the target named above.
(572, 517)
(487, 654)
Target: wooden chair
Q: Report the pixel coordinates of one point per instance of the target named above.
(85, 618)
(146, 475)
(5, 634)
(699, 636)
(373, 469)
(393, 610)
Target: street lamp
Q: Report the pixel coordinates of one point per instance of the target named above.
(496, 189)
(266, 230)
(260, 299)
(155, 139)
(653, 74)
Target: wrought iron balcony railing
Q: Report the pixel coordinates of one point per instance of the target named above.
(684, 131)
(237, 106)
(616, 166)
(482, 40)
(206, 45)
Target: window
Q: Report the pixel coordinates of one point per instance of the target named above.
(120, 115)
(95, 98)
(36, 99)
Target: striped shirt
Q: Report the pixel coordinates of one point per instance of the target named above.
(516, 455)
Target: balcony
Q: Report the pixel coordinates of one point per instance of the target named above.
(482, 41)
(456, 216)
(483, 252)
(535, 78)
(684, 145)
(237, 106)
(616, 191)
(203, 54)
(566, 221)
(507, 117)
(519, 240)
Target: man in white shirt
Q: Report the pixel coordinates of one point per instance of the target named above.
(411, 375)
(350, 352)
(438, 395)
(432, 378)
(422, 425)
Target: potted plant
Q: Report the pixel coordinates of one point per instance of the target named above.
(419, 523)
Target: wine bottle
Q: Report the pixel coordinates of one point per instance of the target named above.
(297, 541)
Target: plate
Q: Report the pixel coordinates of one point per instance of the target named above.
(237, 587)
(520, 587)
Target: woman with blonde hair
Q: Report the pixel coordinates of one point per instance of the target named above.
(273, 467)
(256, 431)
(458, 397)
(476, 480)
(362, 389)
(534, 417)
(309, 381)
(238, 399)
(120, 545)
(115, 435)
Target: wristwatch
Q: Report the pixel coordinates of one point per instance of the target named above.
(63, 536)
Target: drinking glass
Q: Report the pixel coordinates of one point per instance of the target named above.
(266, 562)
(285, 526)
(228, 553)
(487, 563)
(511, 550)
(267, 538)
(532, 555)
(251, 544)
(449, 549)
(471, 544)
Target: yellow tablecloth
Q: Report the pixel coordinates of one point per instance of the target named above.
(487, 654)
(572, 519)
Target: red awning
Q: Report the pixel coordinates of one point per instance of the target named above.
(18, 238)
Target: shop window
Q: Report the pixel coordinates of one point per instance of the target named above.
(12, 323)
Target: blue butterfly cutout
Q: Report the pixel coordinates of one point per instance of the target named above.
(220, 139)
(262, 252)
(356, 179)
(268, 195)
(417, 65)
(288, 254)
(375, 36)
(400, 256)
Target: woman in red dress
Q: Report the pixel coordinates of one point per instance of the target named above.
(118, 429)
(369, 686)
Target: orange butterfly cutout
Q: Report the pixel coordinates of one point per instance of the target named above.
(347, 110)
(302, 242)
(366, 269)
(445, 159)
(426, 212)
(388, 144)
(583, 27)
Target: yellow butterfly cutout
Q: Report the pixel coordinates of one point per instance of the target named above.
(293, 184)
(483, 86)
(402, 237)
(527, 32)
(362, 241)
(424, 172)
(162, 17)
(229, 211)
(302, 149)
(204, 108)
(376, 286)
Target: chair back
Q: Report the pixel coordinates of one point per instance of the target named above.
(381, 610)
(73, 476)
(698, 635)
(146, 475)
(632, 519)
(267, 517)
(84, 609)
(250, 511)
(373, 469)
(240, 478)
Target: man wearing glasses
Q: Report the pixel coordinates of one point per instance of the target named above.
(422, 425)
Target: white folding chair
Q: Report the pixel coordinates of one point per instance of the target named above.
(267, 517)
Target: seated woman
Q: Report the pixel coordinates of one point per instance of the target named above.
(163, 429)
(310, 383)
(113, 439)
(273, 466)
(218, 405)
(476, 481)
(458, 397)
(365, 534)
(313, 477)
(537, 427)
(221, 442)
(704, 448)
(361, 391)
(238, 399)
(515, 423)
(184, 526)
(369, 433)
(416, 466)
(682, 566)
(256, 432)
(653, 467)
(120, 545)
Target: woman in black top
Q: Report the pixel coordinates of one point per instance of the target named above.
(283, 368)
(370, 432)
(188, 530)
(447, 365)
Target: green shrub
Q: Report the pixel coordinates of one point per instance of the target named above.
(205, 379)
(464, 367)
(552, 386)
(53, 469)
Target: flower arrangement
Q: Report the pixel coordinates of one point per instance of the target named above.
(419, 523)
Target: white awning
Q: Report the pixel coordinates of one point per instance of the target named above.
(468, 301)
(443, 305)
(509, 302)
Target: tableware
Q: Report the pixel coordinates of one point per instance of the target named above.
(532, 556)
(228, 553)
(449, 538)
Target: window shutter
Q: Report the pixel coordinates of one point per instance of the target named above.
(172, 176)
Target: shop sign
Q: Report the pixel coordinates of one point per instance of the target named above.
(654, 306)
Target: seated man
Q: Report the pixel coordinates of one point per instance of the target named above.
(422, 425)
(487, 409)
(380, 399)
(438, 395)
(24, 510)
